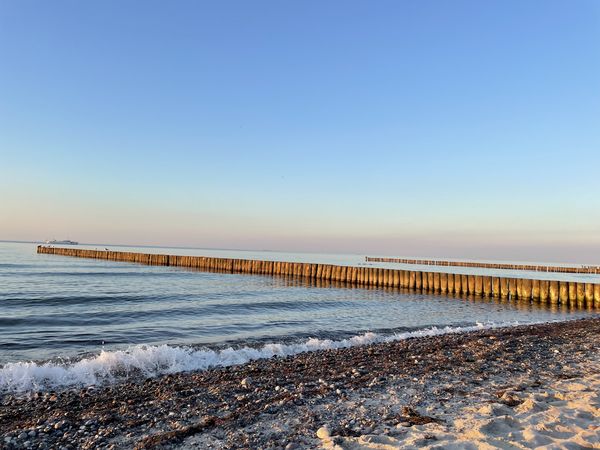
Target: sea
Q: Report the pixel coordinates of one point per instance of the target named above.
(72, 322)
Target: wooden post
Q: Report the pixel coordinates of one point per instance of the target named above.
(319, 275)
(572, 294)
(553, 292)
(372, 276)
(478, 285)
(519, 288)
(580, 292)
(589, 295)
(378, 275)
(347, 274)
(335, 273)
(535, 291)
(512, 288)
(344, 274)
(386, 277)
(457, 284)
(444, 283)
(471, 284)
(436, 282)
(404, 279)
(526, 289)
(487, 286)
(451, 283)
(328, 270)
(392, 278)
(496, 287)
(395, 278)
(412, 277)
(314, 271)
(304, 269)
(419, 280)
(564, 292)
(389, 277)
(544, 286)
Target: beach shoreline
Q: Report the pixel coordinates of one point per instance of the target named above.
(403, 394)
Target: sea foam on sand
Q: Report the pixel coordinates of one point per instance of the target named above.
(153, 360)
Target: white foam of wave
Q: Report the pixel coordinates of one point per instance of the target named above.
(153, 360)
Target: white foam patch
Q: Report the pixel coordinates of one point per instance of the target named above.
(153, 360)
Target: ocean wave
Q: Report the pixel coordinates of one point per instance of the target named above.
(154, 360)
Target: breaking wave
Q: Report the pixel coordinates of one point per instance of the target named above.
(153, 360)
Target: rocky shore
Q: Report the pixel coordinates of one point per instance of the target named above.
(472, 389)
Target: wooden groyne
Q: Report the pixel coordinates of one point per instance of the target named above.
(552, 292)
(482, 265)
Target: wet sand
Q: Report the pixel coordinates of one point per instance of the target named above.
(520, 387)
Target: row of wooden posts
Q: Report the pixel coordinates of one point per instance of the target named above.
(575, 294)
(482, 265)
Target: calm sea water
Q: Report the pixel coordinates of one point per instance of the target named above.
(64, 309)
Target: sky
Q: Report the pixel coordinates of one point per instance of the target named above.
(462, 129)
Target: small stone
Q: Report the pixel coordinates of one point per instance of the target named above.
(246, 382)
(323, 432)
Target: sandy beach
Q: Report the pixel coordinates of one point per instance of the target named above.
(519, 387)
(543, 415)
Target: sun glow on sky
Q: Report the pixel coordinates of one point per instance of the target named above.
(459, 129)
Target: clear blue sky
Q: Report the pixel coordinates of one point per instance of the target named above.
(433, 128)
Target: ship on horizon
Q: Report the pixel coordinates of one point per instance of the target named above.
(65, 242)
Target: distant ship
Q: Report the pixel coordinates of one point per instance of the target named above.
(65, 242)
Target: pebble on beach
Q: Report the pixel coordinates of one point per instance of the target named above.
(373, 392)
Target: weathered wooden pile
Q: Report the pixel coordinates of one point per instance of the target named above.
(484, 265)
(571, 293)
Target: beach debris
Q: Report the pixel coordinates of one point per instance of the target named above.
(509, 398)
(324, 433)
(412, 417)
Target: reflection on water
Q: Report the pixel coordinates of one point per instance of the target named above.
(53, 306)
